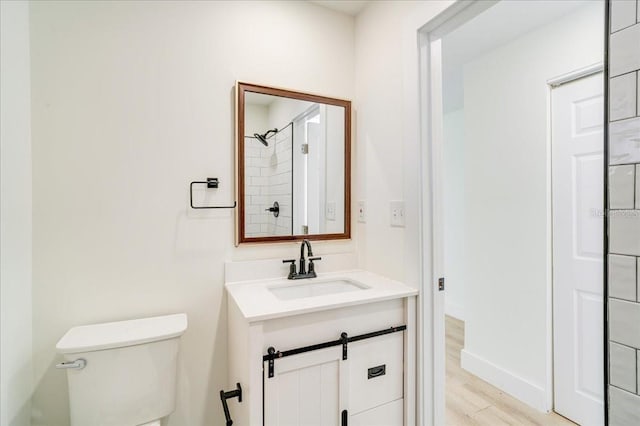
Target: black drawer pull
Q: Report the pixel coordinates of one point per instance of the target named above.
(377, 371)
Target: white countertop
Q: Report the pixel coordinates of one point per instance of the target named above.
(257, 303)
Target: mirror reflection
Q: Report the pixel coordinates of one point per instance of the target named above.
(293, 163)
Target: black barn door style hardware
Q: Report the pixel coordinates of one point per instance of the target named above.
(226, 395)
(344, 340)
(212, 183)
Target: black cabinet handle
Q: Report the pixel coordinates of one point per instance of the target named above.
(226, 395)
(377, 371)
(345, 418)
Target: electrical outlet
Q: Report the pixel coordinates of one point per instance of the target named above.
(396, 209)
(331, 210)
(362, 212)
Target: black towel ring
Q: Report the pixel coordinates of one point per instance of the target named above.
(211, 183)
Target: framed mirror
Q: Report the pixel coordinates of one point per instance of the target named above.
(293, 165)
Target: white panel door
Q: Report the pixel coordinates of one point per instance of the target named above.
(578, 185)
(306, 389)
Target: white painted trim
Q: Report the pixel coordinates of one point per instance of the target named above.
(437, 220)
(549, 264)
(516, 386)
(576, 74)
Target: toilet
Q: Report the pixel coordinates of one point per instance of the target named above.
(122, 373)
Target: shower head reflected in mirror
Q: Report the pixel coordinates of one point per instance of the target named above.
(263, 138)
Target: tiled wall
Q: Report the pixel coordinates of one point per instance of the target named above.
(268, 175)
(624, 216)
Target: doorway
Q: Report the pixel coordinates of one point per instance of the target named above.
(507, 253)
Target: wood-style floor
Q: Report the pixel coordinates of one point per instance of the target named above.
(472, 401)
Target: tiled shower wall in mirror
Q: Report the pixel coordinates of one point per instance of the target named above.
(268, 177)
(624, 216)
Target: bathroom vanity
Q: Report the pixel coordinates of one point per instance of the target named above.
(338, 349)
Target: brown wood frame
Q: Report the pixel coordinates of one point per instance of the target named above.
(241, 89)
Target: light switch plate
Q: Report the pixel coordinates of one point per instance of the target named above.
(362, 212)
(331, 210)
(396, 210)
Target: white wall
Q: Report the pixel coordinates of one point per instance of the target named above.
(131, 102)
(388, 159)
(454, 213)
(387, 150)
(507, 199)
(16, 372)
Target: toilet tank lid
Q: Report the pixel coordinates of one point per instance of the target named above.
(118, 334)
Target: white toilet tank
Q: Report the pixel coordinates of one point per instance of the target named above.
(122, 373)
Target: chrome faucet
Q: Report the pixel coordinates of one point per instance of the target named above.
(303, 272)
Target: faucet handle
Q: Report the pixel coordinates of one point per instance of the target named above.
(311, 265)
(292, 267)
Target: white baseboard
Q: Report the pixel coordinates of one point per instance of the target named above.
(521, 389)
(453, 309)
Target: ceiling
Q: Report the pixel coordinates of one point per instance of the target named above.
(501, 23)
(350, 7)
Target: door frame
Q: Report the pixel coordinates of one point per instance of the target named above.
(423, 72)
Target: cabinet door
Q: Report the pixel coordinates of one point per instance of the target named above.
(389, 414)
(306, 389)
(376, 373)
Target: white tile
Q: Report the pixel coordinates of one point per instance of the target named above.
(622, 277)
(638, 91)
(638, 186)
(251, 190)
(624, 141)
(638, 372)
(622, 97)
(259, 181)
(623, 14)
(622, 367)
(624, 408)
(621, 187)
(251, 229)
(252, 171)
(624, 51)
(638, 287)
(259, 200)
(624, 322)
(624, 232)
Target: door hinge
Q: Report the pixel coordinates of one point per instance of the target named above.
(441, 284)
(304, 148)
(305, 230)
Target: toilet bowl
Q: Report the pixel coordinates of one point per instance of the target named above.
(122, 373)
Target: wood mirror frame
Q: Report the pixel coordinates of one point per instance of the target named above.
(241, 90)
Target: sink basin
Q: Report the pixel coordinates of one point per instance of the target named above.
(314, 288)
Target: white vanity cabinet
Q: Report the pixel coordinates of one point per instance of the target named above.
(311, 383)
